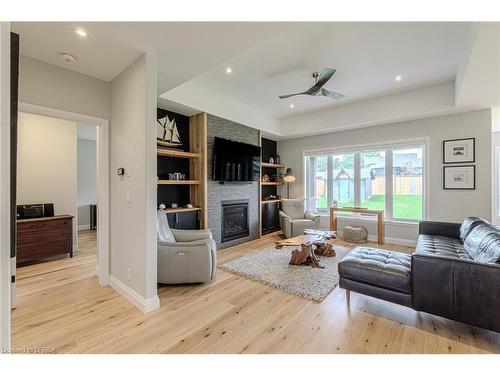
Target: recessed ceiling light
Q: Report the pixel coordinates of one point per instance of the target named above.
(229, 70)
(398, 78)
(81, 32)
(292, 106)
(68, 58)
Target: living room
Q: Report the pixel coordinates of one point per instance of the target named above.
(276, 188)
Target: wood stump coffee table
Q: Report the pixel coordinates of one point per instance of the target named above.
(312, 244)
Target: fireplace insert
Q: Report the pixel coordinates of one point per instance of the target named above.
(234, 220)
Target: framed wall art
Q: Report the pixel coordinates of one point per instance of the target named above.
(459, 151)
(459, 178)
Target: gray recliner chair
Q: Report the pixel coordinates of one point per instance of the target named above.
(294, 218)
(184, 256)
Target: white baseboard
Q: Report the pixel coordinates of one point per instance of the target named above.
(144, 304)
(84, 227)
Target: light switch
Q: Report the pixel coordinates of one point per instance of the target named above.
(127, 171)
(129, 196)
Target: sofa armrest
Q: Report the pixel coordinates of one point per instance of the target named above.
(286, 224)
(183, 245)
(438, 228)
(181, 235)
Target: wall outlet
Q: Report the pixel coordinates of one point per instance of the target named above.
(129, 274)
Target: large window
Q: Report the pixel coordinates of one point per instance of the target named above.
(388, 178)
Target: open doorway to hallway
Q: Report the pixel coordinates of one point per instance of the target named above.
(56, 199)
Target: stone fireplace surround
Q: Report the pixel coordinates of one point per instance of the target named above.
(217, 192)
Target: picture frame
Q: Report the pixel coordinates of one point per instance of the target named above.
(462, 177)
(459, 151)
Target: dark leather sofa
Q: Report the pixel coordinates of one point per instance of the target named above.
(454, 272)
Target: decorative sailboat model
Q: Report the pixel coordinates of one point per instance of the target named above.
(167, 134)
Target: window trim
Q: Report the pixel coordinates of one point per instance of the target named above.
(382, 145)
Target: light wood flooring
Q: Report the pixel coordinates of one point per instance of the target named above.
(61, 305)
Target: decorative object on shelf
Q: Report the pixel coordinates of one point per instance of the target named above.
(271, 160)
(355, 234)
(265, 178)
(162, 206)
(277, 179)
(289, 177)
(167, 133)
(174, 205)
(335, 204)
(459, 151)
(459, 178)
(277, 159)
(176, 176)
(271, 197)
(189, 205)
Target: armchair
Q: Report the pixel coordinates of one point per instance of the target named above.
(184, 256)
(294, 218)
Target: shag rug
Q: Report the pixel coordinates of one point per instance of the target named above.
(270, 266)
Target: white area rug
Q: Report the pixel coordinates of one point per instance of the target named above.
(270, 266)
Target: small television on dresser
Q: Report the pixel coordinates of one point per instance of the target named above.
(235, 161)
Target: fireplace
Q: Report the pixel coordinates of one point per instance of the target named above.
(234, 220)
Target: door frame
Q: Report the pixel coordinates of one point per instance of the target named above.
(102, 178)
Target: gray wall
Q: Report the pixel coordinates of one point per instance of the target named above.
(444, 205)
(217, 192)
(86, 160)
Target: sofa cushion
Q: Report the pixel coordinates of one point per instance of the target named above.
(468, 225)
(378, 267)
(429, 244)
(489, 248)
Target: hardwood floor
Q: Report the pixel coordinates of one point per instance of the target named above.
(61, 305)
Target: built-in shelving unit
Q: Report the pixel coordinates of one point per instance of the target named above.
(189, 159)
(269, 208)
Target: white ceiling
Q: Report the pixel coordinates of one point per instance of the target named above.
(367, 57)
(438, 61)
(184, 49)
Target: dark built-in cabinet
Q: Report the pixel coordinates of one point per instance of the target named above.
(270, 217)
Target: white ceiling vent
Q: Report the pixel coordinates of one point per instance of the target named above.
(68, 58)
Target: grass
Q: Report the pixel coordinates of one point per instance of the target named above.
(405, 206)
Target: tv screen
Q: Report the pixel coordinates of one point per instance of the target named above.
(235, 161)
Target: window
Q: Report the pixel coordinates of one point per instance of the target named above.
(388, 178)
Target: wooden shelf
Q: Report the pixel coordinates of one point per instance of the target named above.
(181, 209)
(178, 182)
(270, 201)
(177, 154)
(269, 165)
(272, 183)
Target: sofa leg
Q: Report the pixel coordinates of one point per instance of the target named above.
(348, 297)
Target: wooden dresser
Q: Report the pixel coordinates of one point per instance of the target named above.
(44, 237)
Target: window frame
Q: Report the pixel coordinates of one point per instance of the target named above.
(388, 147)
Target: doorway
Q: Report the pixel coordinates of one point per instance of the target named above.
(102, 179)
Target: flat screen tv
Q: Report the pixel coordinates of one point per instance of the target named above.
(235, 161)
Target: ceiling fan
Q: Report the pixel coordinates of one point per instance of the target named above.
(317, 89)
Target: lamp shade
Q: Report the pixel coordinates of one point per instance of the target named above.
(289, 177)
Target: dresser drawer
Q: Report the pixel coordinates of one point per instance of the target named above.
(40, 236)
(46, 249)
(53, 224)
(24, 227)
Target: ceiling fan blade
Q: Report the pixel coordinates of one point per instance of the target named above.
(289, 95)
(325, 75)
(332, 94)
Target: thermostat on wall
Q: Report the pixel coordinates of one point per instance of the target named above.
(120, 171)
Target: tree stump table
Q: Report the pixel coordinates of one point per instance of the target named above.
(311, 245)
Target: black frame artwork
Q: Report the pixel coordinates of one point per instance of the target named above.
(461, 161)
(460, 166)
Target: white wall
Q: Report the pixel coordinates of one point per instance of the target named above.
(444, 205)
(47, 164)
(133, 219)
(86, 160)
(5, 186)
(54, 87)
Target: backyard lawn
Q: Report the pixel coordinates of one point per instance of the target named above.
(405, 206)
